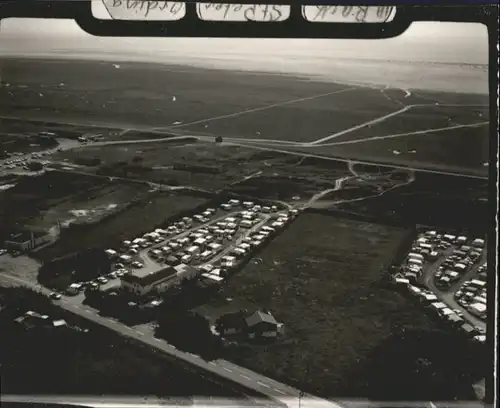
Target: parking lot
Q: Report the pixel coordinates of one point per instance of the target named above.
(20, 161)
(214, 241)
(448, 273)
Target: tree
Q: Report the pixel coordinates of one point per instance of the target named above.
(91, 263)
(188, 331)
(35, 166)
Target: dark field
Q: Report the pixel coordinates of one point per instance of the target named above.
(431, 199)
(95, 363)
(142, 215)
(111, 210)
(463, 150)
(342, 321)
(420, 118)
(234, 104)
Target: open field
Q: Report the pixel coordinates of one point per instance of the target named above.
(307, 120)
(142, 92)
(421, 118)
(328, 288)
(99, 362)
(231, 104)
(430, 200)
(208, 166)
(99, 211)
(325, 287)
(461, 150)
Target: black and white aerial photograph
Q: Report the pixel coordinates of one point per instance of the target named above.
(247, 222)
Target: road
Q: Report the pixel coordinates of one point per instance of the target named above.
(396, 135)
(273, 389)
(389, 115)
(339, 183)
(144, 254)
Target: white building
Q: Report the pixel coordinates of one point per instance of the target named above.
(142, 282)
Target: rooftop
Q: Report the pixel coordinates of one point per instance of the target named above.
(258, 317)
(24, 235)
(146, 276)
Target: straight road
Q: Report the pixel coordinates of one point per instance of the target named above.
(274, 390)
(388, 116)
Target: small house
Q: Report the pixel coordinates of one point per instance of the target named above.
(264, 325)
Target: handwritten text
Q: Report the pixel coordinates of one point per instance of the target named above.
(348, 14)
(242, 12)
(145, 10)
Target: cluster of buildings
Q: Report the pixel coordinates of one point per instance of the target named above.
(165, 257)
(472, 294)
(452, 255)
(463, 257)
(453, 317)
(445, 259)
(34, 320)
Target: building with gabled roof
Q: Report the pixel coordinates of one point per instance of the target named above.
(145, 281)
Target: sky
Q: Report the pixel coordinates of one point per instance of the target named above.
(431, 42)
(419, 58)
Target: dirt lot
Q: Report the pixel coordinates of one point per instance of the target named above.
(21, 267)
(42, 201)
(144, 214)
(100, 212)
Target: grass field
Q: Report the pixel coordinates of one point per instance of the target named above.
(461, 150)
(107, 211)
(322, 278)
(234, 164)
(234, 104)
(421, 118)
(449, 202)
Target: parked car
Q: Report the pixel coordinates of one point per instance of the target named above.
(55, 296)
